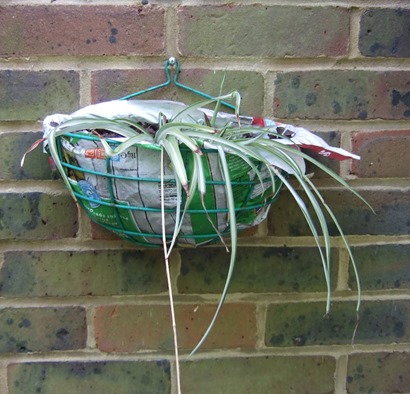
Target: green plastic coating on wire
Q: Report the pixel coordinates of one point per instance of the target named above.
(172, 62)
(121, 210)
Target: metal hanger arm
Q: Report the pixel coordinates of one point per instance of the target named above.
(170, 63)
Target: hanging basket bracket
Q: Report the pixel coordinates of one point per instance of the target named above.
(172, 63)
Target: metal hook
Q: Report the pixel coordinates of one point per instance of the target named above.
(171, 63)
(162, 85)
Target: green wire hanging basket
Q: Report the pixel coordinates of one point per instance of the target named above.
(123, 193)
(129, 205)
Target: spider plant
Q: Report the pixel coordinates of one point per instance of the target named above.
(176, 136)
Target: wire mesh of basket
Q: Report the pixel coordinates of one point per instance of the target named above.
(123, 193)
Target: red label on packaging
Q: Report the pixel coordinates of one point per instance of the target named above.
(96, 153)
(258, 122)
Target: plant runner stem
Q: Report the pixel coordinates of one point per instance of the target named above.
(166, 258)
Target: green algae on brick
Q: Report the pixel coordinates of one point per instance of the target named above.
(257, 270)
(148, 377)
(260, 375)
(24, 330)
(304, 324)
(382, 267)
(30, 95)
(74, 273)
(37, 215)
(341, 94)
(385, 33)
(12, 148)
(285, 218)
(380, 372)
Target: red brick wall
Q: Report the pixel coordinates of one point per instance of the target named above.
(83, 312)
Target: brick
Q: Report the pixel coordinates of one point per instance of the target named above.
(354, 217)
(257, 270)
(385, 33)
(113, 84)
(381, 372)
(90, 377)
(383, 267)
(342, 94)
(75, 273)
(36, 215)
(380, 152)
(299, 324)
(270, 374)
(257, 30)
(24, 330)
(31, 95)
(101, 233)
(81, 30)
(130, 328)
(12, 148)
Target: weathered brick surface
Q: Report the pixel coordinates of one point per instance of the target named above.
(37, 274)
(342, 94)
(381, 372)
(113, 84)
(286, 219)
(301, 324)
(149, 377)
(25, 330)
(127, 328)
(12, 148)
(385, 33)
(257, 270)
(81, 30)
(383, 267)
(37, 215)
(257, 30)
(31, 95)
(383, 154)
(100, 233)
(259, 375)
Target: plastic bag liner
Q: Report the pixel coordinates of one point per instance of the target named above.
(123, 193)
